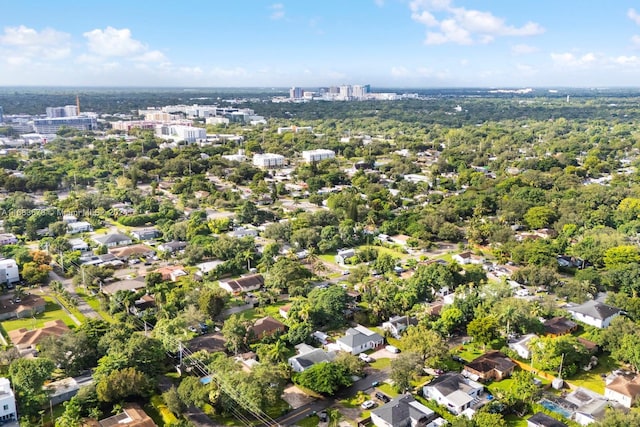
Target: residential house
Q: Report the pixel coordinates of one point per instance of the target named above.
(172, 247)
(359, 339)
(29, 306)
(145, 302)
(132, 285)
(588, 405)
(397, 324)
(240, 232)
(265, 327)
(468, 257)
(343, 255)
(559, 326)
(399, 239)
(62, 390)
(123, 208)
(131, 416)
(146, 234)
(134, 251)
(171, 272)
(594, 313)
(493, 365)
(321, 337)
(8, 410)
(68, 218)
(541, 419)
(623, 388)
(308, 356)
(24, 338)
(208, 266)
(113, 240)
(521, 346)
(8, 239)
(9, 273)
(79, 227)
(249, 283)
(403, 411)
(453, 391)
(78, 245)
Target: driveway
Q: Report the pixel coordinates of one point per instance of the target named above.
(383, 354)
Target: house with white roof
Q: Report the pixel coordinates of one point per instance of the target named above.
(9, 271)
(594, 313)
(521, 346)
(79, 227)
(453, 391)
(359, 339)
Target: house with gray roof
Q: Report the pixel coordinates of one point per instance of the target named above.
(405, 411)
(541, 419)
(308, 356)
(453, 391)
(594, 313)
(359, 339)
(113, 239)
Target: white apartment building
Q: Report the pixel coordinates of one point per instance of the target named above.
(7, 402)
(313, 156)
(181, 133)
(268, 160)
(9, 271)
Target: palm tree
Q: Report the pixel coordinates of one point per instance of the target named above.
(247, 256)
(278, 351)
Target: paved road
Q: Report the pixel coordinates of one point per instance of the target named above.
(83, 307)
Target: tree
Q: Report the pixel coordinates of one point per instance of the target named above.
(122, 384)
(192, 392)
(287, 274)
(234, 331)
(487, 419)
(549, 352)
(621, 255)
(404, 369)
(35, 274)
(540, 217)
(483, 329)
(353, 364)
(327, 306)
(71, 417)
(616, 418)
(431, 347)
(212, 301)
(28, 377)
(172, 400)
(326, 378)
(72, 352)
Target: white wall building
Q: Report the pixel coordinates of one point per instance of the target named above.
(9, 271)
(181, 133)
(7, 402)
(268, 160)
(312, 156)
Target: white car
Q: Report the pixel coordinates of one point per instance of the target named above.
(392, 349)
(365, 357)
(368, 404)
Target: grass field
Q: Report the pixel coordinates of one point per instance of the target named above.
(384, 250)
(94, 303)
(592, 380)
(381, 363)
(52, 312)
(270, 310)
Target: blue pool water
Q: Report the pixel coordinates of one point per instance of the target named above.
(555, 408)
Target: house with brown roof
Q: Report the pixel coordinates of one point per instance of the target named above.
(265, 327)
(132, 415)
(559, 326)
(249, 283)
(134, 251)
(24, 338)
(493, 365)
(171, 272)
(29, 306)
(623, 388)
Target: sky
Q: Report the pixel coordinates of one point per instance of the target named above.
(385, 43)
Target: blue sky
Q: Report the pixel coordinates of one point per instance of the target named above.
(386, 43)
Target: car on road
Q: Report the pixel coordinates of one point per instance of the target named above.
(382, 397)
(365, 357)
(368, 404)
(375, 384)
(392, 349)
(322, 415)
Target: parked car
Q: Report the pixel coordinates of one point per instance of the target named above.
(458, 359)
(368, 404)
(382, 397)
(366, 358)
(322, 415)
(375, 384)
(392, 349)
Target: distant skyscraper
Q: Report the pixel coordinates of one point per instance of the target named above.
(359, 91)
(296, 93)
(334, 90)
(1, 116)
(345, 92)
(66, 111)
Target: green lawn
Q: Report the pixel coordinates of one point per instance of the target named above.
(515, 421)
(388, 389)
(384, 250)
(94, 303)
(159, 412)
(381, 363)
(592, 380)
(355, 401)
(312, 421)
(259, 312)
(52, 312)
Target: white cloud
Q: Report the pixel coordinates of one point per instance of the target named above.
(568, 59)
(151, 56)
(634, 16)
(399, 71)
(627, 61)
(277, 11)
(26, 43)
(523, 49)
(112, 42)
(464, 26)
(228, 72)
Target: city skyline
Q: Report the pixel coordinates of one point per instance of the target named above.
(385, 43)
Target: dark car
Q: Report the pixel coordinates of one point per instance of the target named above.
(382, 397)
(323, 416)
(458, 358)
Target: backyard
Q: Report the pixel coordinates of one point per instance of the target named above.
(51, 312)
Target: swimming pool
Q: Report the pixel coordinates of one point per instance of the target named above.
(555, 408)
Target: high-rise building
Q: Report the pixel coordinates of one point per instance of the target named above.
(296, 93)
(53, 124)
(345, 92)
(1, 116)
(360, 91)
(66, 111)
